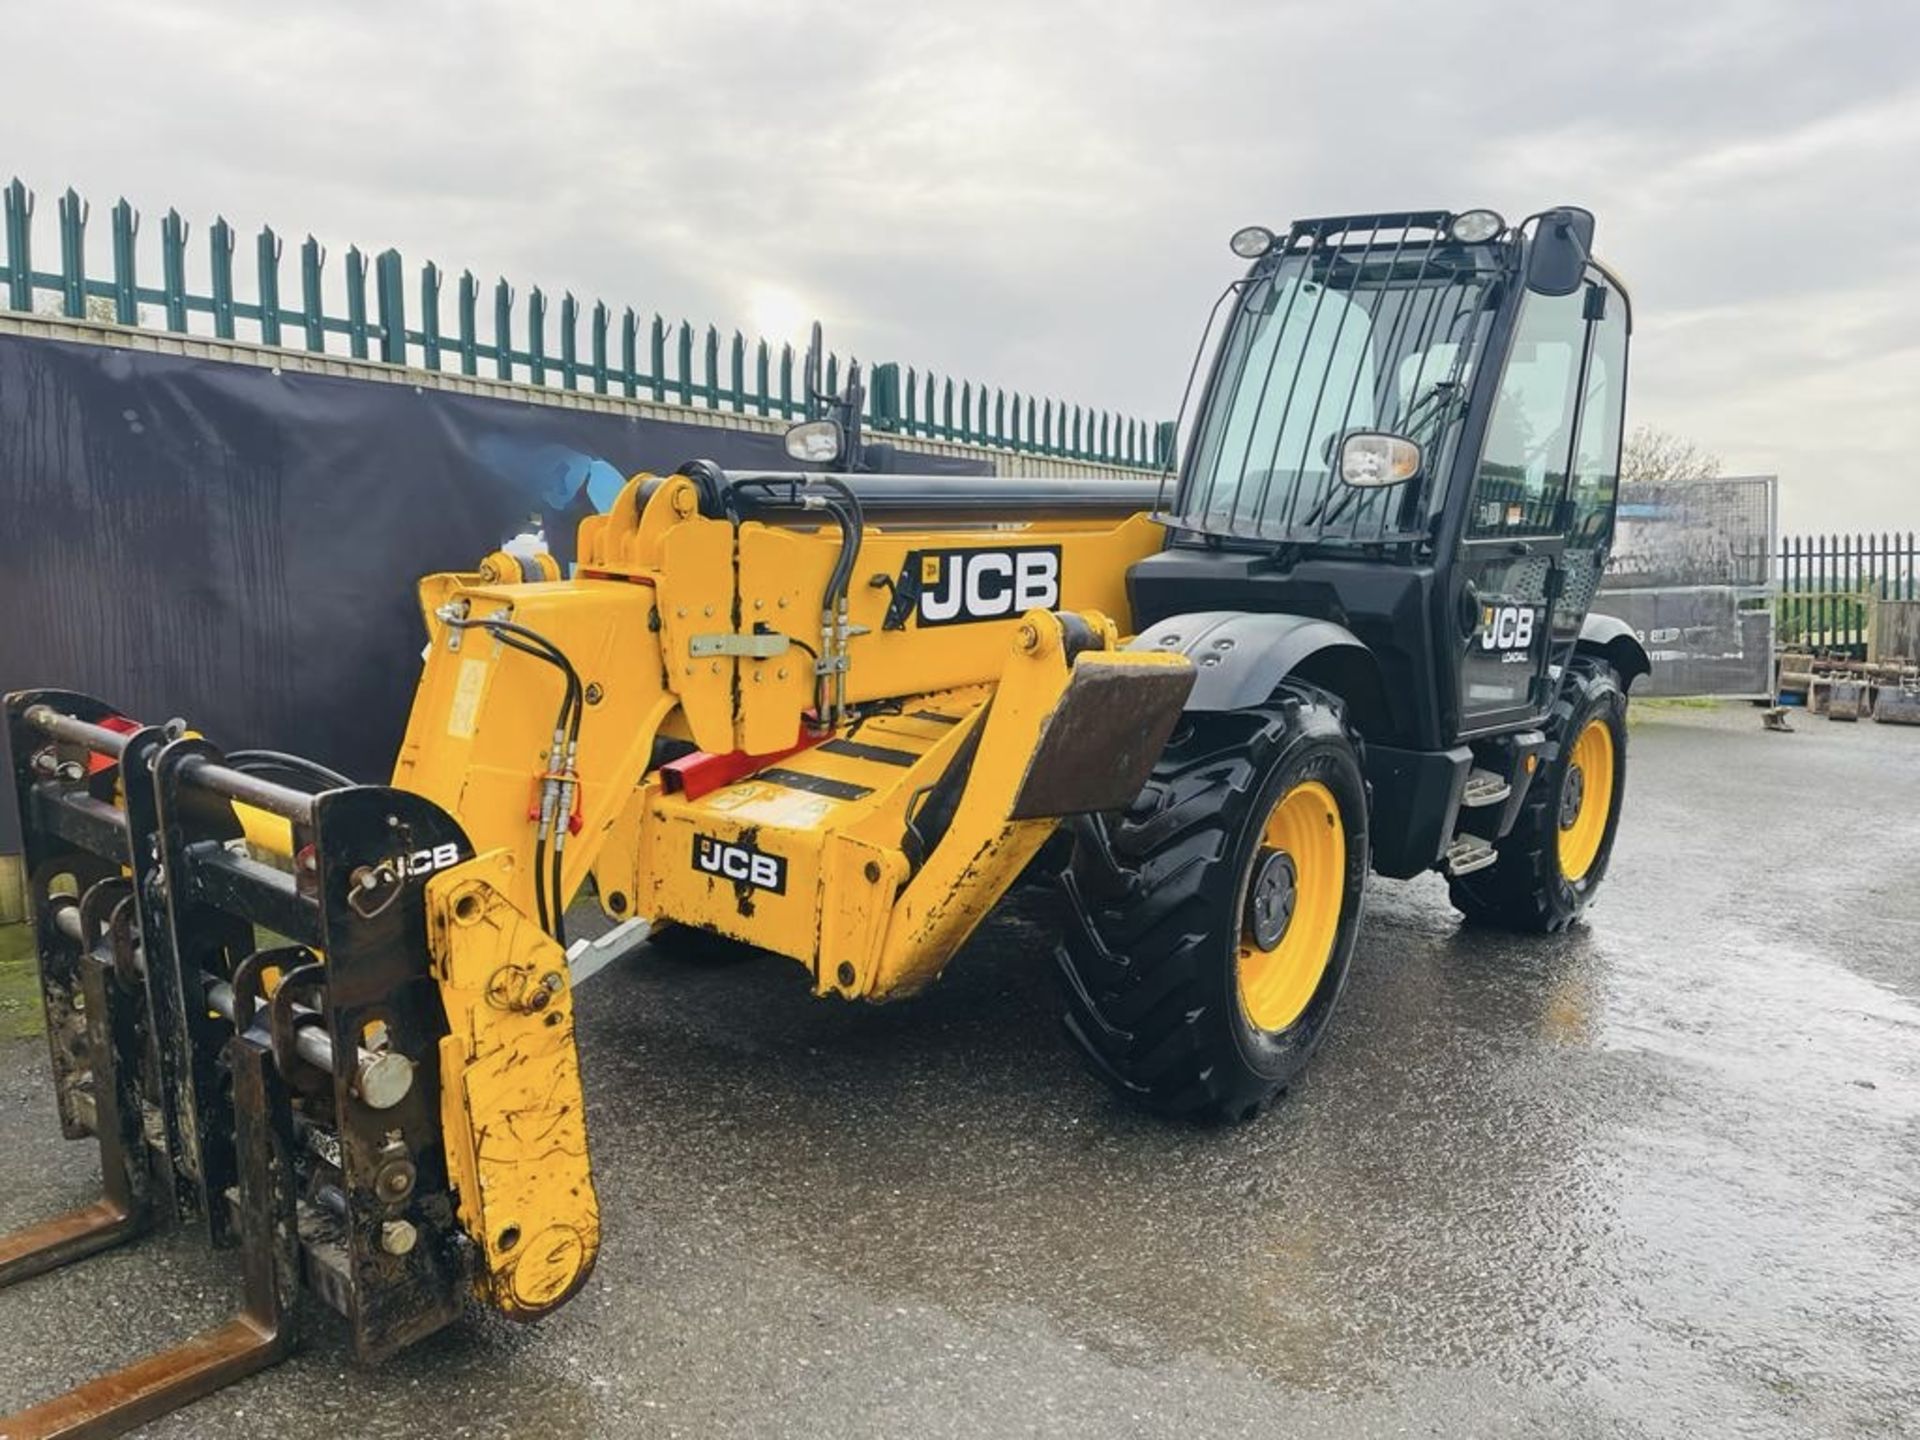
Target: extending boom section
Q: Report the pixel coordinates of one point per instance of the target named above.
(831, 718)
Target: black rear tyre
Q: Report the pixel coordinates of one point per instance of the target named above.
(1541, 882)
(1164, 979)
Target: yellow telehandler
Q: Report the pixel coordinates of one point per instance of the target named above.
(837, 715)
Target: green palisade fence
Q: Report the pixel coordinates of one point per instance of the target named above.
(367, 308)
(1828, 584)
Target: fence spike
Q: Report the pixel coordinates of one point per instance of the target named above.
(431, 278)
(173, 270)
(266, 284)
(467, 306)
(629, 352)
(569, 340)
(390, 298)
(126, 285)
(762, 361)
(357, 329)
(657, 357)
(312, 265)
(537, 336)
(786, 380)
(73, 254)
(599, 330)
(737, 372)
(503, 329)
(1826, 602)
(220, 272)
(19, 226)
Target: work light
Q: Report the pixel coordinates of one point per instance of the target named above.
(1251, 242)
(1474, 226)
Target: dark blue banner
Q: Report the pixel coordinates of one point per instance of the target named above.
(239, 546)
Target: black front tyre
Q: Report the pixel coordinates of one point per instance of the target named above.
(1210, 927)
(1556, 855)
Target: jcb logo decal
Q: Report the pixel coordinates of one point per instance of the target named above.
(962, 585)
(1506, 627)
(741, 864)
(425, 862)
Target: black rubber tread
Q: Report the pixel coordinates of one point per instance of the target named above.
(1524, 890)
(1154, 902)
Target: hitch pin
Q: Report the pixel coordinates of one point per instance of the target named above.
(381, 1078)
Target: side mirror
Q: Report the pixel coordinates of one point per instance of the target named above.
(817, 443)
(1562, 244)
(1373, 460)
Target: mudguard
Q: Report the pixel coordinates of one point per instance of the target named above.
(1240, 656)
(1613, 640)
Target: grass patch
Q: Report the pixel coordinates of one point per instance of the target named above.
(20, 1013)
(1649, 711)
(1678, 702)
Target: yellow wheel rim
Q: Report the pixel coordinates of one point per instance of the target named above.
(1586, 800)
(1295, 893)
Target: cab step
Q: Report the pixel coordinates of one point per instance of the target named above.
(1485, 787)
(1467, 854)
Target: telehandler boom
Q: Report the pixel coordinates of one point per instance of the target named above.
(837, 715)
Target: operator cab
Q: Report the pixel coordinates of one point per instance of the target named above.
(1411, 428)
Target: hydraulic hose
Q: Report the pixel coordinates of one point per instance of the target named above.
(852, 522)
(556, 796)
(311, 772)
(844, 506)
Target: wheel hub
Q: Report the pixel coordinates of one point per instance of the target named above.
(1572, 796)
(1272, 897)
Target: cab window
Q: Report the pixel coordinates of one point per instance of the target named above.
(1523, 463)
(1596, 463)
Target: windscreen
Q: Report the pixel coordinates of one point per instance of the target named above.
(1324, 342)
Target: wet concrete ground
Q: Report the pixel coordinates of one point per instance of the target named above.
(1658, 1177)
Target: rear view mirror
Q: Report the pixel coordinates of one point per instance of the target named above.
(817, 442)
(1372, 460)
(1562, 244)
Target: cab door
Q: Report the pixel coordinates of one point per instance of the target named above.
(1512, 564)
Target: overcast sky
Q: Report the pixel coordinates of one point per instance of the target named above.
(1037, 193)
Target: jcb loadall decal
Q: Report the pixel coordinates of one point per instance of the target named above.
(1508, 628)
